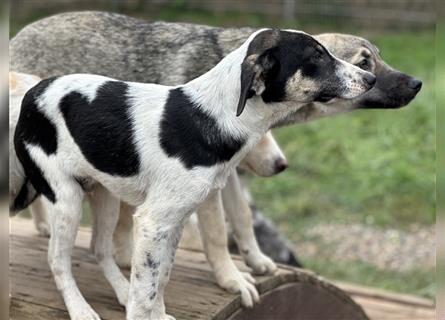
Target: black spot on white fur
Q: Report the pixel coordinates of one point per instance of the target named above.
(193, 136)
(34, 128)
(102, 129)
(151, 263)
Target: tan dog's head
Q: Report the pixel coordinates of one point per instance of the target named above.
(393, 89)
(266, 159)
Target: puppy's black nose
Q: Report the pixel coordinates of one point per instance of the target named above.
(370, 79)
(415, 84)
(280, 165)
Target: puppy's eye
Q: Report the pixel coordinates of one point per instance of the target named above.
(364, 64)
(319, 52)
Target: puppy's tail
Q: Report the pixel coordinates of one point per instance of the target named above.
(26, 195)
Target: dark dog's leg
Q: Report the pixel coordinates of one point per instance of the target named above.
(272, 242)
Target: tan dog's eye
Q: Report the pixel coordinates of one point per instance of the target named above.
(364, 64)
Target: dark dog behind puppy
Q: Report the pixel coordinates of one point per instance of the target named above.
(171, 53)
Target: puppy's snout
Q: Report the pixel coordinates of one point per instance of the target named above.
(369, 79)
(281, 164)
(415, 84)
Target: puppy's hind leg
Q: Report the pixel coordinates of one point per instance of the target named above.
(105, 208)
(65, 214)
(214, 237)
(240, 218)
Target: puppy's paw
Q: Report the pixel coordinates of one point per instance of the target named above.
(43, 229)
(84, 314)
(248, 277)
(243, 283)
(260, 263)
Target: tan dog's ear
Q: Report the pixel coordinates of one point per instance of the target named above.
(255, 69)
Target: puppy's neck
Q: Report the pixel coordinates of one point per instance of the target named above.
(217, 92)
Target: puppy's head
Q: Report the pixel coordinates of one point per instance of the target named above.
(266, 159)
(393, 89)
(291, 66)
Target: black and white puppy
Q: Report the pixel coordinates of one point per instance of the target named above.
(164, 149)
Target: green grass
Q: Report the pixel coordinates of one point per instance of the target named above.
(371, 166)
(418, 282)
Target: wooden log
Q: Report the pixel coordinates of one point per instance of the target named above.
(192, 292)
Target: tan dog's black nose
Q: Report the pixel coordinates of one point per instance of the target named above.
(281, 164)
(370, 79)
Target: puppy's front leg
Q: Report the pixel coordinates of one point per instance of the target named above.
(214, 237)
(156, 236)
(240, 218)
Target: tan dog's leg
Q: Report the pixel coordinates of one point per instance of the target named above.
(214, 237)
(40, 218)
(240, 218)
(105, 208)
(123, 236)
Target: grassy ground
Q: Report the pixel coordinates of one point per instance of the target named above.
(370, 167)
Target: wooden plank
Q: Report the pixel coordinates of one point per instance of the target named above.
(192, 292)
(385, 295)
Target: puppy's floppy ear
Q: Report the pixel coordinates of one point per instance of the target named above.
(255, 70)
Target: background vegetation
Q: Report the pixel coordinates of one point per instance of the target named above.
(373, 167)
